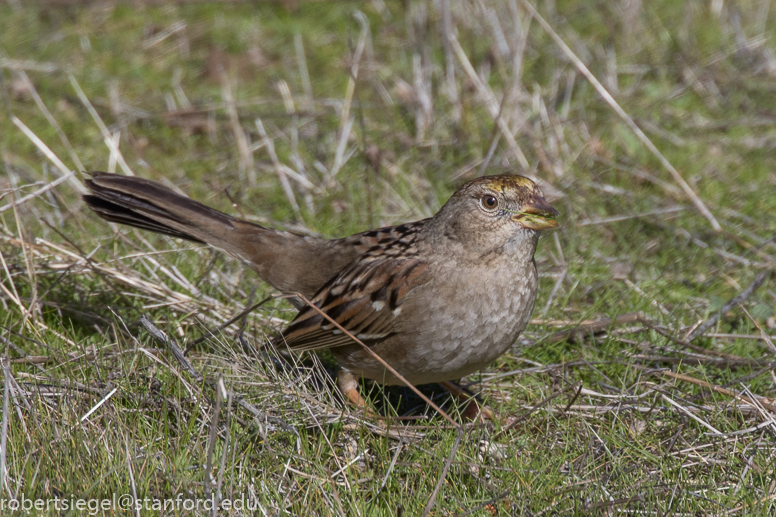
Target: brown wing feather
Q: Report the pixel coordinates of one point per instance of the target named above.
(365, 299)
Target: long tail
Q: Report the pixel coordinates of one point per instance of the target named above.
(152, 206)
(287, 261)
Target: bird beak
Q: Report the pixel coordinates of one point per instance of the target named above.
(537, 214)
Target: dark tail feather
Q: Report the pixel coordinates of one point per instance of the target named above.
(151, 206)
(118, 214)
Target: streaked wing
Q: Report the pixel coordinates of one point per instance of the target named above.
(365, 298)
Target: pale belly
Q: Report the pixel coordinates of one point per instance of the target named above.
(460, 332)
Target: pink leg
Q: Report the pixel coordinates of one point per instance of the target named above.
(348, 385)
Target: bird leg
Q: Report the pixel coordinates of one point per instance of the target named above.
(348, 386)
(474, 411)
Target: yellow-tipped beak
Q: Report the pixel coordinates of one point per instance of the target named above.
(537, 214)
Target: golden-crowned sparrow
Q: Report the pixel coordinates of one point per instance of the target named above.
(437, 299)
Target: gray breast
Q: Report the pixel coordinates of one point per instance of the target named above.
(466, 329)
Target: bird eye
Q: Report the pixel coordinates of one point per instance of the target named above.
(489, 202)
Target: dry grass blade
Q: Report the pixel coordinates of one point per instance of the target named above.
(279, 169)
(686, 359)
(53, 123)
(61, 167)
(700, 205)
(625, 217)
(222, 467)
(443, 475)
(38, 192)
(346, 120)
(107, 136)
(765, 337)
(212, 332)
(246, 156)
(704, 352)
(99, 404)
(590, 327)
(517, 421)
(491, 102)
(131, 475)
(768, 403)
(4, 427)
(391, 465)
(220, 390)
(739, 299)
(159, 336)
(690, 414)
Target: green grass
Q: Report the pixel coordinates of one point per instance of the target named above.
(699, 83)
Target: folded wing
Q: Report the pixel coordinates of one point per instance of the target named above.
(365, 298)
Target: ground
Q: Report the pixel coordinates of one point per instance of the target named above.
(638, 387)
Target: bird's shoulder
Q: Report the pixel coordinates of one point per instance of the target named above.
(400, 241)
(366, 296)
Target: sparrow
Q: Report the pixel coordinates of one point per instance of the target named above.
(437, 299)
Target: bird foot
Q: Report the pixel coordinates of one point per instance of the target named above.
(348, 386)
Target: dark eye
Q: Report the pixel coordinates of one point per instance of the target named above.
(489, 202)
